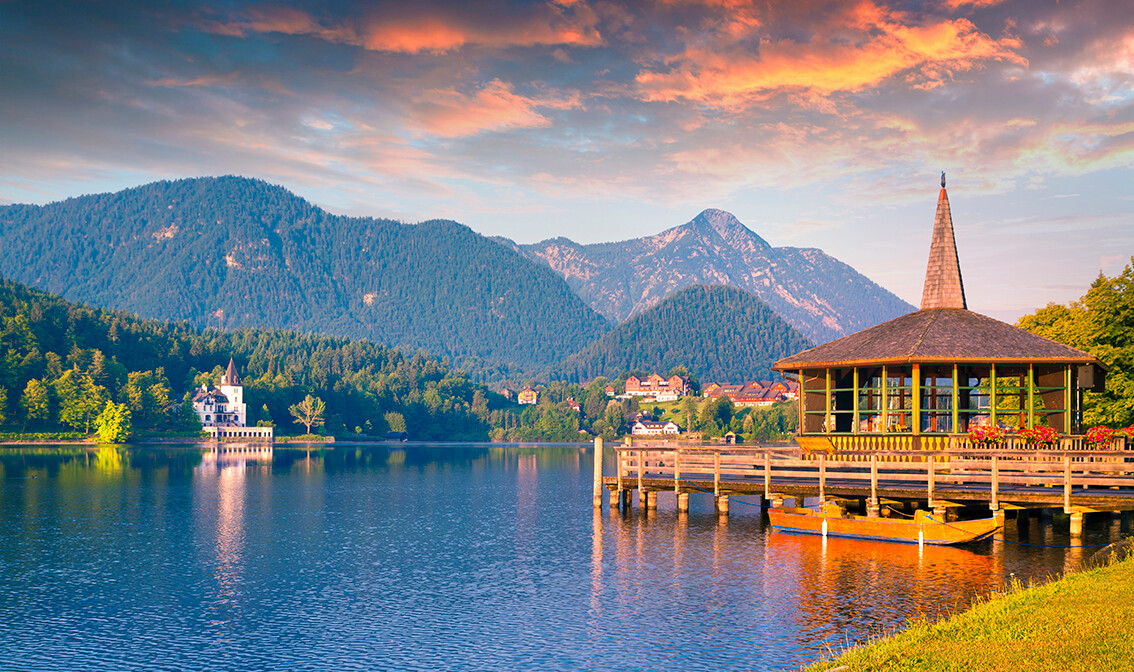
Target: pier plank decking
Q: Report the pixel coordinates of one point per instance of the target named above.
(1075, 480)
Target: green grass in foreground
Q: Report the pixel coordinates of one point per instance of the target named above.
(1080, 622)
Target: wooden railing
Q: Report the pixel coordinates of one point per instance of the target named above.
(877, 442)
(746, 469)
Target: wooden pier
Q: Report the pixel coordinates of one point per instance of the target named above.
(1078, 481)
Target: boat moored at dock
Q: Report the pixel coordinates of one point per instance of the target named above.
(832, 520)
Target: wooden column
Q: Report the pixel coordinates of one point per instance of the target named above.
(932, 474)
(992, 394)
(1067, 399)
(1031, 396)
(915, 424)
(1066, 484)
(822, 477)
(1077, 524)
(682, 502)
(827, 404)
(872, 506)
(885, 402)
(598, 472)
(956, 400)
(995, 503)
(722, 505)
(857, 412)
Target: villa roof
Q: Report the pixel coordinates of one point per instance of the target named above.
(943, 285)
(231, 377)
(937, 335)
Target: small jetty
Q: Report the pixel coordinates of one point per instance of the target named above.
(1077, 481)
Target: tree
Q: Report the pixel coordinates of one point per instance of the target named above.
(395, 421)
(113, 424)
(1100, 323)
(3, 405)
(80, 400)
(36, 401)
(308, 412)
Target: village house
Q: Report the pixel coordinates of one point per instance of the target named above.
(222, 410)
(527, 396)
(657, 388)
(654, 428)
(754, 394)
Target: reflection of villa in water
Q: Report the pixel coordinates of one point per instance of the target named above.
(938, 371)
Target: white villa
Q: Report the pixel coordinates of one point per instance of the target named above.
(222, 410)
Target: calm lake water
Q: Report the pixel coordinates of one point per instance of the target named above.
(437, 557)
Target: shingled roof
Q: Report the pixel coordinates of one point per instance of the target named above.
(943, 285)
(938, 335)
(230, 375)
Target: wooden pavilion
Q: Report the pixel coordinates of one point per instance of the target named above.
(917, 379)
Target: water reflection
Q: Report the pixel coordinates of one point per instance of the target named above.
(485, 557)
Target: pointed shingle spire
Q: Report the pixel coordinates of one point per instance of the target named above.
(943, 286)
(230, 376)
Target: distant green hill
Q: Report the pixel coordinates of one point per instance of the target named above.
(150, 364)
(717, 332)
(228, 251)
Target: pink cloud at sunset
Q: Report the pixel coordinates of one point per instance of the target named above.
(450, 113)
(870, 45)
(425, 31)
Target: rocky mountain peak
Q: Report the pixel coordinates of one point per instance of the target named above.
(727, 226)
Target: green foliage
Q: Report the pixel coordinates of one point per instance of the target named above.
(80, 400)
(229, 251)
(113, 424)
(35, 402)
(308, 412)
(1101, 323)
(713, 333)
(395, 421)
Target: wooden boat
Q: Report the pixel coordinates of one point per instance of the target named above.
(832, 520)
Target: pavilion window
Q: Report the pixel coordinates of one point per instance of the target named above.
(899, 399)
(842, 400)
(936, 399)
(1012, 396)
(813, 400)
(974, 397)
(1050, 396)
(870, 400)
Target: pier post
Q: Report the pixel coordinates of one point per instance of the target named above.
(1076, 524)
(683, 502)
(651, 499)
(598, 472)
(615, 499)
(722, 505)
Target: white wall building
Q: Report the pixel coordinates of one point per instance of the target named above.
(222, 410)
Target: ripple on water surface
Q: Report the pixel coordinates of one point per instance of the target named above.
(437, 557)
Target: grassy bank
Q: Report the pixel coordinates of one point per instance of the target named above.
(1079, 622)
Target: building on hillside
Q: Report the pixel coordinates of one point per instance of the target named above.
(222, 410)
(574, 405)
(657, 388)
(610, 391)
(939, 371)
(527, 396)
(654, 428)
(754, 394)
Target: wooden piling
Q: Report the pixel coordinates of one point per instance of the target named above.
(722, 505)
(1077, 524)
(598, 472)
(683, 502)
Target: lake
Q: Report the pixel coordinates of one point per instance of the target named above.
(405, 557)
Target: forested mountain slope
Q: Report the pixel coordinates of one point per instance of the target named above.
(817, 294)
(717, 332)
(231, 251)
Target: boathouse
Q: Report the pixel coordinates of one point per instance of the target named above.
(915, 380)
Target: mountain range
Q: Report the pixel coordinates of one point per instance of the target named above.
(233, 252)
(819, 295)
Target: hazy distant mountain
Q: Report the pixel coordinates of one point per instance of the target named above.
(819, 295)
(718, 333)
(231, 251)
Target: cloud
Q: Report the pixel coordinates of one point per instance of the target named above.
(450, 113)
(427, 29)
(860, 49)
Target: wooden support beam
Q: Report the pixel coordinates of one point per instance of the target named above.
(717, 475)
(874, 478)
(932, 474)
(995, 503)
(677, 471)
(822, 477)
(641, 466)
(598, 473)
(767, 476)
(1067, 484)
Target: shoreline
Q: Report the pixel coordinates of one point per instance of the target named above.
(1077, 621)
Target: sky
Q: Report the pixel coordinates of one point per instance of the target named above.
(818, 124)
